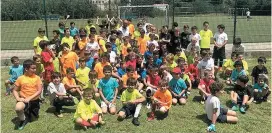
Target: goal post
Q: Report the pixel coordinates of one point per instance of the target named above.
(240, 11)
(131, 11)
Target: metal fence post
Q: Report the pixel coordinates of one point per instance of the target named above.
(45, 18)
(173, 12)
(235, 15)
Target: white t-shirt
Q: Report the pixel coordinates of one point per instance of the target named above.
(125, 31)
(196, 36)
(212, 103)
(248, 13)
(112, 57)
(145, 25)
(205, 65)
(220, 38)
(93, 48)
(52, 88)
(168, 77)
(189, 47)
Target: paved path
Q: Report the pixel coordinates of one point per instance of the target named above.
(26, 54)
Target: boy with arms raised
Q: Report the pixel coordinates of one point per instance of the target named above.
(132, 102)
(30, 87)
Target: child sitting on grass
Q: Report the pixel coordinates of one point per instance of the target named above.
(228, 66)
(93, 84)
(178, 87)
(237, 71)
(58, 95)
(88, 112)
(108, 90)
(70, 84)
(215, 112)
(132, 102)
(153, 80)
(259, 69)
(261, 89)
(26, 91)
(204, 86)
(240, 94)
(15, 71)
(161, 101)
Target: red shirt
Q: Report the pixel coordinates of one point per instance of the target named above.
(207, 84)
(132, 63)
(154, 81)
(193, 71)
(46, 56)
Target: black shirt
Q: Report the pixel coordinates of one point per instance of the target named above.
(241, 91)
(256, 71)
(184, 38)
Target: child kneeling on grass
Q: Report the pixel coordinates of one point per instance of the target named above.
(215, 113)
(132, 102)
(162, 101)
(88, 112)
(58, 95)
(30, 87)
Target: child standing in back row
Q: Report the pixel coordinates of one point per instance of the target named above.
(15, 71)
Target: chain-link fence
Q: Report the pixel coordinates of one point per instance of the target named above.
(21, 33)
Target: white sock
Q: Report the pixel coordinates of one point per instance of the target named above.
(137, 110)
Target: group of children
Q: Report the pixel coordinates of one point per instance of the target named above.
(93, 71)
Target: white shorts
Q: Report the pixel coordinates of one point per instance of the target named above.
(103, 104)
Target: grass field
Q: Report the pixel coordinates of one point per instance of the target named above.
(188, 118)
(20, 34)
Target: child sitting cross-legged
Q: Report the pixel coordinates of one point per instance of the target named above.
(88, 112)
(58, 95)
(161, 101)
(261, 89)
(215, 112)
(132, 102)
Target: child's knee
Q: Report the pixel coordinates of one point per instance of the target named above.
(174, 101)
(20, 106)
(78, 121)
(104, 110)
(255, 90)
(163, 110)
(97, 95)
(121, 115)
(112, 110)
(7, 82)
(182, 101)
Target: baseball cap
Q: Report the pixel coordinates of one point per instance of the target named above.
(176, 70)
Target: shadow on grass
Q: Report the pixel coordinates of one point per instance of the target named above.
(229, 104)
(65, 110)
(197, 99)
(15, 121)
(204, 118)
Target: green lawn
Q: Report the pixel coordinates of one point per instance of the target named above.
(20, 34)
(188, 118)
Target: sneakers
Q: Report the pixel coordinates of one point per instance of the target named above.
(151, 117)
(243, 109)
(135, 121)
(202, 102)
(22, 124)
(60, 115)
(234, 108)
(188, 92)
(148, 106)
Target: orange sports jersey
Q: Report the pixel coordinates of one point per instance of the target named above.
(131, 29)
(99, 69)
(67, 81)
(164, 97)
(28, 85)
(68, 60)
(124, 49)
(142, 42)
(125, 77)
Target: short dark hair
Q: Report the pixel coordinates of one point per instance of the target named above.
(92, 74)
(131, 81)
(238, 63)
(163, 82)
(112, 38)
(237, 41)
(107, 68)
(27, 63)
(14, 58)
(102, 30)
(36, 56)
(66, 29)
(69, 70)
(82, 59)
(61, 24)
(194, 27)
(221, 26)
(243, 78)
(216, 87)
(206, 22)
(129, 69)
(55, 75)
(43, 44)
(88, 91)
(92, 29)
(262, 59)
(72, 23)
(65, 45)
(175, 24)
(56, 31)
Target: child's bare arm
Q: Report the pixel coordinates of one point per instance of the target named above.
(102, 96)
(115, 95)
(16, 94)
(200, 87)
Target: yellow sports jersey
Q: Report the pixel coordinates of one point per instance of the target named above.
(205, 38)
(36, 43)
(172, 66)
(245, 65)
(70, 40)
(87, 28)
(136, 34)
(83, 76)
(130, 96)
(229, 64)
(182, 54)
(86, 111)
(102, 44)
(118, 44)
(56, 64)
(90, 85)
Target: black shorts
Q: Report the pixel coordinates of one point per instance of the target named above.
(222, 118)
(219, 53)
(32, 109)
(240, 99)
(129, 109)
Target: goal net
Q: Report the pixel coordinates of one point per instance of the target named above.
(156, 14)
(241, 12)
